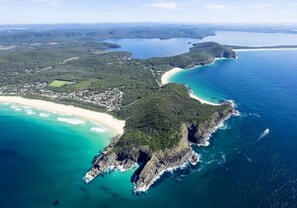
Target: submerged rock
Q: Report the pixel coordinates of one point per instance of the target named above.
(55, 203)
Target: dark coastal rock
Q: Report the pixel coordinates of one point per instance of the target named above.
(153, 165)
(200, 133)
(165, 160)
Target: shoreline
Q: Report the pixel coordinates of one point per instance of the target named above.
(201, 100)
(167, 75)
(264, 49)
(218, 126)
(185, 165)
(105, 120)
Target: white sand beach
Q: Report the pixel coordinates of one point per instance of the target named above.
(165, 79)
(203, 101)
(103, 119)
(265, 49)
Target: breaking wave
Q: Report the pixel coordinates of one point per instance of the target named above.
(72, 121)
(44, 115)
(30, 112)
(15, 108)
(98, 130)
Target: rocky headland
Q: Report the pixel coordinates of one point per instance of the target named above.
(151, 165)
(162, 126)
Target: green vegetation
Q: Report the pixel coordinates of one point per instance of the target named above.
(200, 54)
(103, 32)
(59, 83)
(153, 114)
(155, 120)
(95, 32)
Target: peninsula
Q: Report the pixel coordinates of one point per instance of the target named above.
(162, 127)
(160, 122)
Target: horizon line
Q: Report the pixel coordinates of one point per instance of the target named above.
(147, 22)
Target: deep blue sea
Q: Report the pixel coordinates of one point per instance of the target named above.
(43, 160)
(240, 168)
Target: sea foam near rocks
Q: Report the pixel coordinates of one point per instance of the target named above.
(171, 170)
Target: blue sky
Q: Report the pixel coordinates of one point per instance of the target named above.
(191, 11)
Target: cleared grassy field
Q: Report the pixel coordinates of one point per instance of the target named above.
(59, 83)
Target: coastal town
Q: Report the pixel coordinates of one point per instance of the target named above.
(110, 99)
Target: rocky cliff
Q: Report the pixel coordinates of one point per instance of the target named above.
(153, 164)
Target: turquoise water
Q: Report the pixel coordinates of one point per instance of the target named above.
(43, 160)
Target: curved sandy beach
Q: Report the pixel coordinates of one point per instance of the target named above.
(265, 49)
(165, 79)
(203, 101)
(166, 76)
(103, 119)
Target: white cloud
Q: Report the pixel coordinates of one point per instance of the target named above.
(165, 5)
(50, 2)
(261, 6)
(217, 6)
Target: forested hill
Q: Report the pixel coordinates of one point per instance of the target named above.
(162, 121)
(101, 32)
(89, 67)
(200, 54)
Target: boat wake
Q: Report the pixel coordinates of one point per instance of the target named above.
(265, 133)
(246, 157)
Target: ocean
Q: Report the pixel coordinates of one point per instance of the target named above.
(244, 166)
(43, 158)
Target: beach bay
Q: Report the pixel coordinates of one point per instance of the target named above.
(265, 95)
(45, 155)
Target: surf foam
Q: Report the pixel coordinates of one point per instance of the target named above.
(16, 108)
(98, 130)
(44, 115)
(72, 121)
(30, 112)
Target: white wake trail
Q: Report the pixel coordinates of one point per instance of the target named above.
(265, 132)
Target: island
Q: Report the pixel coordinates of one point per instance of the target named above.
(161, 121)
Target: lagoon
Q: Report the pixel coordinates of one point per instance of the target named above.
(147, 48)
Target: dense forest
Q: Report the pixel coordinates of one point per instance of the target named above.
(153, 112)
(100, 32)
